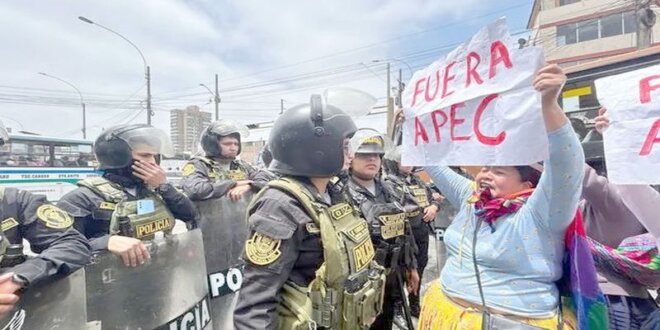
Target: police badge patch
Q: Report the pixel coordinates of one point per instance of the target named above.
(262, 250)
(53, 217)
(188, 169)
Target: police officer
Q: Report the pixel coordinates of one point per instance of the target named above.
(132, 201)
(61, 249)
(386, 212)
(309, 258)
(405, 181)
(218, 173)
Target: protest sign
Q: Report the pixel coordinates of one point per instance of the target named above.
(476, 105)
(632, 100)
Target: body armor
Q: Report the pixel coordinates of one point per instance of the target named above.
(126, 219)
(216, 172)
(347, 292)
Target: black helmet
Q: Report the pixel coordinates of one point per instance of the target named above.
(113, 147)
(218, 129)
(308, 140)
(4, 135)
(369, 141)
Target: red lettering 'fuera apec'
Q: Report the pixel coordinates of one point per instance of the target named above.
(420, 132)
(472, 69)
(436, 124)
(487, 140)
(645, 88)
(498, 54)
(454, 121)
(417, 91)
(651, 139)
(447, 79)
(427, 96)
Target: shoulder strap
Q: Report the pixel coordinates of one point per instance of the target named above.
(103, 188)
(204, 160)
(299, 193)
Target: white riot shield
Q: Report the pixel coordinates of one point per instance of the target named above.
(168, 292)
(224, 227)
(58, 303)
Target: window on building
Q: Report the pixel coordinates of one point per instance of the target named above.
(611, 26)
(567, 2)
(603, 27)
(588, 30)
(566, 34)
(629, 22)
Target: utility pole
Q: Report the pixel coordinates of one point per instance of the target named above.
(390, 106)
(216, 98)
(645, 20)
(281, 106)
(399, 102)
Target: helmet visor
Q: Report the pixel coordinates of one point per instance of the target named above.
(353, 102)
(224, 127)
(148, 139)
(4, 135)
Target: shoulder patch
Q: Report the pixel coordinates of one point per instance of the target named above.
(53, 217)
(188, 169)
(9, 223)
(262, 250)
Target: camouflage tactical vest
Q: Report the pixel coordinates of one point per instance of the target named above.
(347, 292)
(216, 171)
(9, 220)
(131, 217)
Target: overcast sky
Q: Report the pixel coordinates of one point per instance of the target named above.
(263, 51)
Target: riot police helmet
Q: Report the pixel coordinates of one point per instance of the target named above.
(392, 160)
(114, 147)
(308, 139)
(369, 141)
(218, 129)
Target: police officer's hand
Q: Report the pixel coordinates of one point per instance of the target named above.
(412, 281)
(430, 212)
(398, 115)
(602, 122)
(437, 197)
(132, 251)
(8, 297)
(152, 174)
(236, 193)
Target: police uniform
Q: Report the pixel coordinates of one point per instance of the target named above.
(118, 203)
(95, 202)
(392, 237)
(205, 178)
(309, 258)
(423, 198)
(61, 249)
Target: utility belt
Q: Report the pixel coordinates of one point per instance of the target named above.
(396, 253)
(354, 307)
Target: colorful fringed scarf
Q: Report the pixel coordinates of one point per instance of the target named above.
(581, 295)
(636, 259)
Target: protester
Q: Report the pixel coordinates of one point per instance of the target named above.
(609, 220)
(519, 249)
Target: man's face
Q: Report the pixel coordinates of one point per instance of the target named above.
(405, 170)
(366, 166)
(145, 153)
(229, 146)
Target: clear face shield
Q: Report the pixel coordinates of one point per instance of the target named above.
(353, 102)
(148, 140)
(369, 141)
(224, 127)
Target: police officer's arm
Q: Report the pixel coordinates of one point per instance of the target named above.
(266, 272)
(61, 250)
(259, 178)
(80, 206)
(197, 185)
(179, 204)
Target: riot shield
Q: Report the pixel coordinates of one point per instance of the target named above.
(169, 291)
(57, 303)
(442, 220)
(224, 227)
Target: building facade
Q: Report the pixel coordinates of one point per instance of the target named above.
(186, 126)
(575, 32)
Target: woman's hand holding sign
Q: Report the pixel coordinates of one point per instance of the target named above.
(549, 81)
